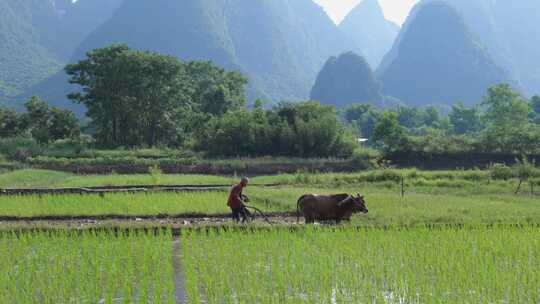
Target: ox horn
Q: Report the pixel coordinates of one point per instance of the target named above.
(344, 201)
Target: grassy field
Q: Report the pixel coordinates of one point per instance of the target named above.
(319, 265)
(90, 267)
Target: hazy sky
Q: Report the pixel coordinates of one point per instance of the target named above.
(394, 10)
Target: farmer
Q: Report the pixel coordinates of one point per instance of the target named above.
(237, 199)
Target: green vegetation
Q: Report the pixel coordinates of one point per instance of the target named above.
(39, 122)
(345, 80)
(24, 61)
(425, 202)
(306, 129)
(504, 123)
(152, 92)
(115, 205)
(199, 110)
(87, 267)
(30, 178)
(321, 265)
(421, 205)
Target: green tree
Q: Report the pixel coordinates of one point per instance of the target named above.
(156, 87)
(535, 105)
(103, 81)
(36, 119)
(363, 117)
(306, 129)
(431, 117)
(465, 120)
(505, 108)
(11, 124)
(131, 96)
(410, 118)
(388, 132)
(214, 90)
(63, 124)
(507, 119)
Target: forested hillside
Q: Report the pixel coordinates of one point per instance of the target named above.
(509, 30)
(279, 44)
(366, 26)
(437, 60)
(345, 80)
(23, 60)
(37, 38)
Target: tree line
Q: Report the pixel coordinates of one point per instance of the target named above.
(503, 122)
(145, 99)
(42, 123)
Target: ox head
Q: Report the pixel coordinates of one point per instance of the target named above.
(355, 203)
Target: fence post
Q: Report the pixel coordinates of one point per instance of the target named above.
(402, 186)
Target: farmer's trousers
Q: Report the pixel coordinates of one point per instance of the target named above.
(239, 212)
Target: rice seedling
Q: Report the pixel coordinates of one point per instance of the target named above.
(114, 204)
(86, 267)
(29, 178)
(386, 207)
(475, 264)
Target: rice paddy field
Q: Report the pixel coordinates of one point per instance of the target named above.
(322, 265)
(455, 237)
(468, 264)
(89, 267)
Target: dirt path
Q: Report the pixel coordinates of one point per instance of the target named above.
(179, 285)
(136, 222)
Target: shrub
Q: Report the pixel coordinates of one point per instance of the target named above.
(500, 172)
(19, 148)
(523, 169)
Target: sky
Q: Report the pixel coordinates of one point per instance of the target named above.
(394, 10)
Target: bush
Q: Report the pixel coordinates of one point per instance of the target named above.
(500, 172)
(19, 148)
(362, 158)
(306, 130)
(524, 170)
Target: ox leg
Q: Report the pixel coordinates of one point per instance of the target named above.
(310, 220)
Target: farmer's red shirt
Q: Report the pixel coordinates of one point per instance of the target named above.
(234, 198)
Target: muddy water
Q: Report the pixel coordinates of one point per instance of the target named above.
(179, 286)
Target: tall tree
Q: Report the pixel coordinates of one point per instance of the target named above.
(36, 119)
(363, 117)
(63, 124)
(215, 90)
(388, 132)
(505, 108)
(102, 79)
(129, 95)
(10, 123)
(465, 120)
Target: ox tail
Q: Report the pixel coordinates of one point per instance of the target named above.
(298, 208)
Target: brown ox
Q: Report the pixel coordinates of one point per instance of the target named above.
(336, 207)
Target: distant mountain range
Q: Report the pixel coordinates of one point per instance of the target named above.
(436, 60)
(347, 79)
(510, 31)
(366, 26)
(443, 54)
(38, 37)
